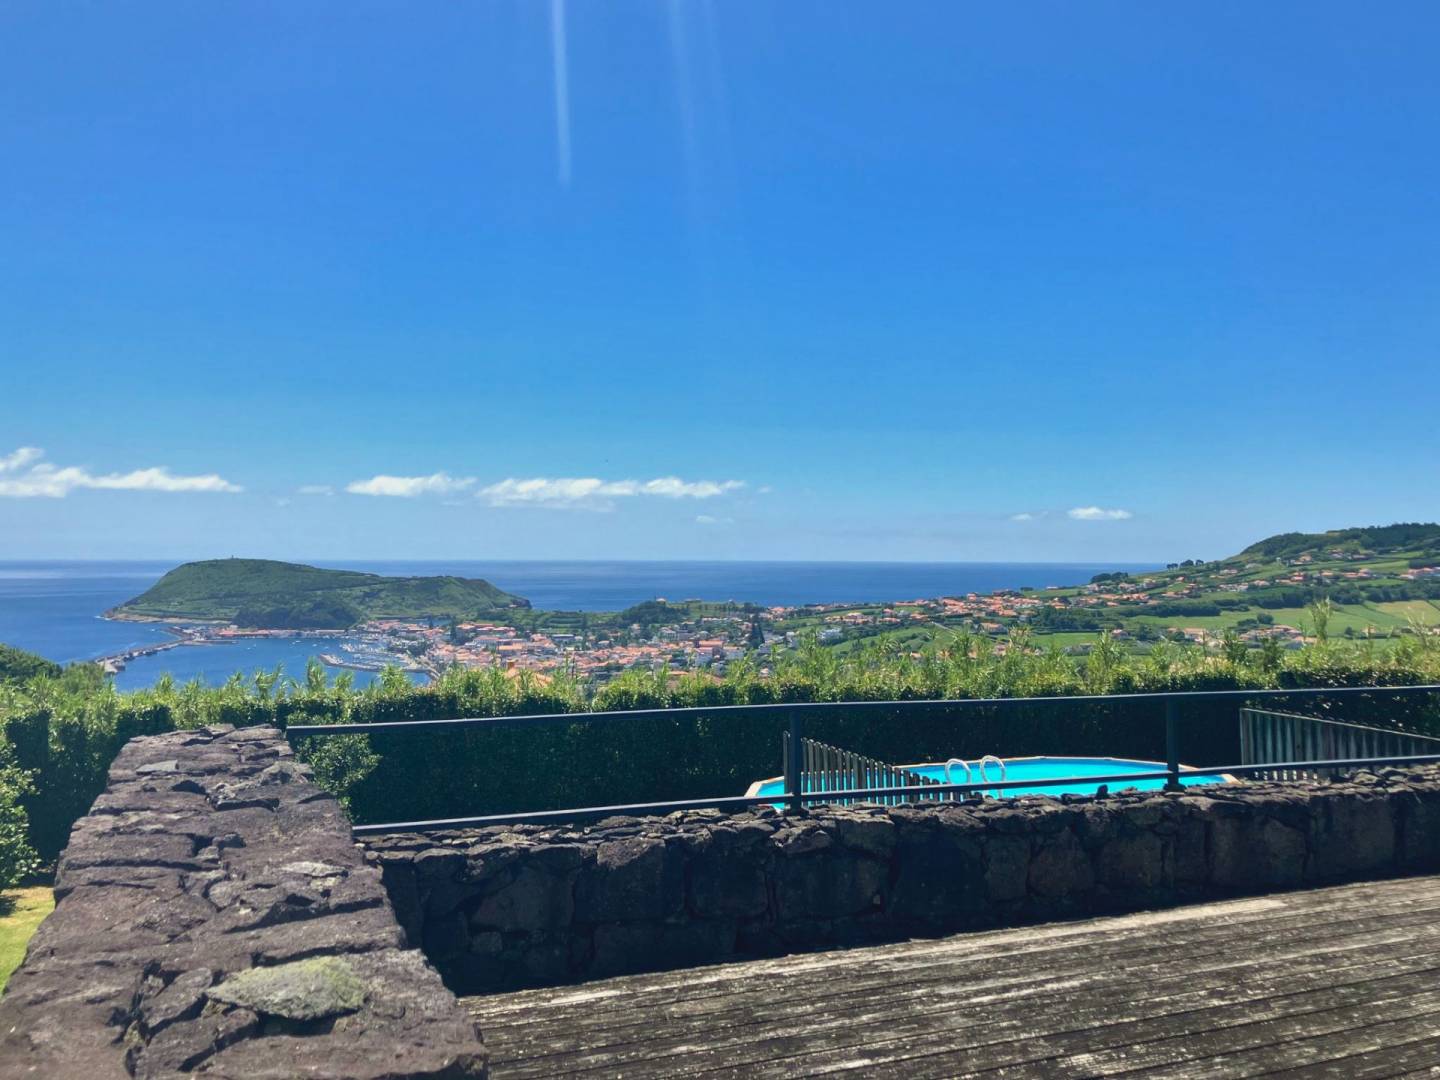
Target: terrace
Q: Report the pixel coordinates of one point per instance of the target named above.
(881, 921)
(1337, 981)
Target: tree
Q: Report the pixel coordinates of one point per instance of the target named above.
(1232, 648)
(1320, 612)
(1271, 654)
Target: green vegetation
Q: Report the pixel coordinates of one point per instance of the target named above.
(324, 612)
(17, 856)
(65, 730)
(264, 594)
(1374, 580)
(648, 616)
(20, 913)
(1375, 539)
(16, 665)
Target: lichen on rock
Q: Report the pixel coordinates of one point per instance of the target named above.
(302, 990)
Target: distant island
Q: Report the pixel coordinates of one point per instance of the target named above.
(268, 595)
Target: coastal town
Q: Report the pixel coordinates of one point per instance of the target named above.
(1255, 603)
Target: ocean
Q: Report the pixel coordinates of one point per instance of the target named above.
(54, 608)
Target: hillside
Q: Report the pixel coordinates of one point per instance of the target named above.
(16, 665)
(1372, 540)
(1376, 583)
(278, 595)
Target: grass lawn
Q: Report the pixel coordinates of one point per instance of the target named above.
(20, 913)
(1426, 611)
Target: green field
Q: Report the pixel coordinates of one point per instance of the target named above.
(1426, 612)
(20, 913)
(1382, 617)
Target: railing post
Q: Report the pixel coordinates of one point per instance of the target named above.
(794, 770)
(1172, 745)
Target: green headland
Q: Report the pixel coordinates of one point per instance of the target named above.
(266, 594)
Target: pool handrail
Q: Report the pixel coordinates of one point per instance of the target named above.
(988, 758)
(963, 764)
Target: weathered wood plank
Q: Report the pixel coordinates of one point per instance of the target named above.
(687, 984)
(698, 982)
(1278, 1046)
(1354, 1053)
(925, 1047)
(948, 1007)
(612, 1005)
(1343, 981)
(1164, 969)
(888, 1029)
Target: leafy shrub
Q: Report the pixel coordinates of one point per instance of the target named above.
(17, 857)
(16, 665)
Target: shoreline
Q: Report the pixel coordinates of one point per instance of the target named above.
(332, 660)
(191, 632)
(214, 633)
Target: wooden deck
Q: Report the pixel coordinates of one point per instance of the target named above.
(1338, 982)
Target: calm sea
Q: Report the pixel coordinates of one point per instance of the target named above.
(53, 608)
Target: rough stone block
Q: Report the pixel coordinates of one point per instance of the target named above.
(940, 883)
(1007, 867)
(1352, 836)
(538, 896)
(1060, 868)
(634, 878)
(829, 884)
(728, 882)
(1131, 859)
(1250, 853)
(232, 928)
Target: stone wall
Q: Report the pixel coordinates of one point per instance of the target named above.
(524, 905)
(215, 916)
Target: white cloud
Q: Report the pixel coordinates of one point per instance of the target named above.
(315, 489)
(1027, 516)
(407, 487)
(23, 474)
(595, 494)
(711, 519)
(1096, 513)
(20, 458)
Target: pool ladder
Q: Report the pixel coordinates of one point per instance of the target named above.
(980, 767)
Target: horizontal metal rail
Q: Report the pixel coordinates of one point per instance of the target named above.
(831, 708)
(794, 714)
(740, 802)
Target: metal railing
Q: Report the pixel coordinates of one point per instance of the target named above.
(1292, 742)
(826, 769)
(795, 714)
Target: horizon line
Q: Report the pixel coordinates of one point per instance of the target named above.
(7, 560)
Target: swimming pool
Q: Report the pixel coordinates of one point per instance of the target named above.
(1040, 770)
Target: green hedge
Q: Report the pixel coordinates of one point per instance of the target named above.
(17, 856)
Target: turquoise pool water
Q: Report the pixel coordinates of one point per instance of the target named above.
(1041, 770)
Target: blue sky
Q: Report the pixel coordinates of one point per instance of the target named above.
(736, 280)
